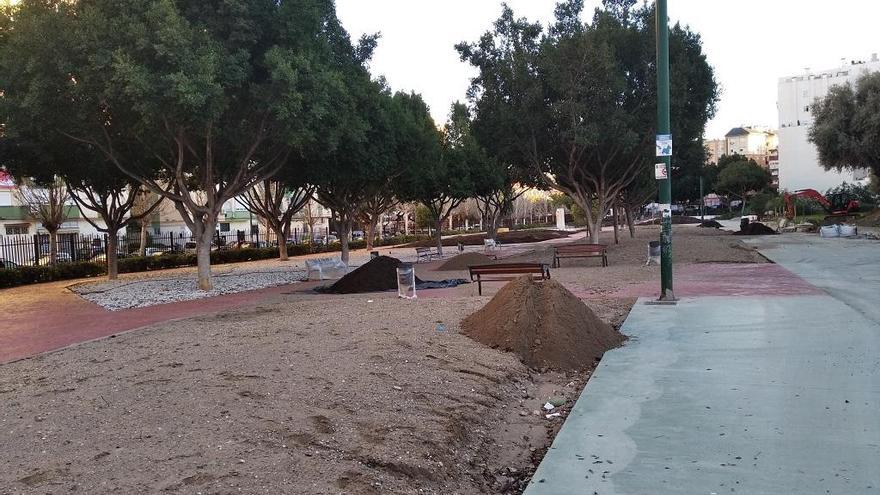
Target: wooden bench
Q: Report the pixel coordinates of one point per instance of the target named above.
(502, 272)
(426, 253)
(580, 251)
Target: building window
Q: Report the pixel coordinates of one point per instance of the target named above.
(224, 226)
(17, 229)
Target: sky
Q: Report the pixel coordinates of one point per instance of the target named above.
(750, 43)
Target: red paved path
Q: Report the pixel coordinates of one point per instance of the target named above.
(47, 317)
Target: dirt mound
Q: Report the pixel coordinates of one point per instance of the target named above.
(871, 219)
(756, 228)
(463, 261)
(710, 224)
(512, 237)
(544, 324)
(379, 274)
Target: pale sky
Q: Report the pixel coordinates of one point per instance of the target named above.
(751, 43)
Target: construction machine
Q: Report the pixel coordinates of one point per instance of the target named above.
(837, 205)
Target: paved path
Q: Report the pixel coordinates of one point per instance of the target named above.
(752, 394)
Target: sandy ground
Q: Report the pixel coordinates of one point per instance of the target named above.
(308, 394)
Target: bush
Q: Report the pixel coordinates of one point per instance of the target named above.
(23, 275)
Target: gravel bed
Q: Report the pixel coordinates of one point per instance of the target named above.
(138, 293)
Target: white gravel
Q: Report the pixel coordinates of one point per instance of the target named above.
(138, 293)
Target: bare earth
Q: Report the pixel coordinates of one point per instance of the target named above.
(311, 394)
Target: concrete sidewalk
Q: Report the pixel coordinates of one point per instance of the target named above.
(772, 394)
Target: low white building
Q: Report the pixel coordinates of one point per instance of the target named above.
(799, 166)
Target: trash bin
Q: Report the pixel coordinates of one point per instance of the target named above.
(653, 253)
(406, 281)
(743, 223)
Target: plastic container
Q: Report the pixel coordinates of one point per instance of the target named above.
(406, 281)
(848, 231)
(829, 231)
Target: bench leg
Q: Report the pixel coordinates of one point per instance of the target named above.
(604, 260)
(479, 286)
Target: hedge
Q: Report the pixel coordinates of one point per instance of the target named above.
(11, 277)
(66, 271)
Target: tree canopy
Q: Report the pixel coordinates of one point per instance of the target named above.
(846, 126)
(575, 105)
(741, 178)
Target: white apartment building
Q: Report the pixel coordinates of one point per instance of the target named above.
(799, 166)
(756, 143)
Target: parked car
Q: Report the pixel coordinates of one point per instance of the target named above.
(325, 240)
(189, 247)
(8, 265)
(357, 234)
(62, 257)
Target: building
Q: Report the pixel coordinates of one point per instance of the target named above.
(753, 142)
(799, 166)
(715, 149)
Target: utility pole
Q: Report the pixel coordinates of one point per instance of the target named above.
(702, 202)
(664, 152)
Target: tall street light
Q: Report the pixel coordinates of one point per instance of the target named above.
(664, 153)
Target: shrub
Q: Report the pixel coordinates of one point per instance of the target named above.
(23, 275)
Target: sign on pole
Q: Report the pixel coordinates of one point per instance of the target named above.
(664, 144)
(660, 171)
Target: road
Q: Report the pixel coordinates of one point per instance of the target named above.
(753, 394)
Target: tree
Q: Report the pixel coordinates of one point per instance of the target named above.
(743, 178)
(577, 104)
(47, 203)
(217, 94)
(444, 163)
(846, 126)
(144, 205)
(276, 203)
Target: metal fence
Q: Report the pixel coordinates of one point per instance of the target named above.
(33, 250)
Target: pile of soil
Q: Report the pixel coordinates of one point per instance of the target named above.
(710, 224)
(871, 219)
(544, 324)
(463, 261)
(756, 228)
(512, 237)
(379, 274)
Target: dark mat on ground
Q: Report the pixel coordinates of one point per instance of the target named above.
(441, 284)
(756, 228)
(710, 224)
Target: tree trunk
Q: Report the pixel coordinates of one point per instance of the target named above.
(203, 254)
(112, 258)
(438, 235)
(744, 205)
(53, 247)
(282, 232)
(371, 233)
(344, 231)
(614, 218)
(142, 249)
(629, 222)
(491, 225)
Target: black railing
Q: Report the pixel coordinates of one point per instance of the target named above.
(33, 250)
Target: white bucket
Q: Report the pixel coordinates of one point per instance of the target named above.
(830, 231)
(406, 281)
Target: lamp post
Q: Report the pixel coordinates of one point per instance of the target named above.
(664, 152)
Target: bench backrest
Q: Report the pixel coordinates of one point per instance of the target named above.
(423, 249)
(581, 248)
(511, 268)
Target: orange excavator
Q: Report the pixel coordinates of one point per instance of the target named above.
(837, 206)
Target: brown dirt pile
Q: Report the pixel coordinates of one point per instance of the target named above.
(756, 228)
(463, 261)
(710, 224)
(379, 274)
(544, 324)
(512, 237)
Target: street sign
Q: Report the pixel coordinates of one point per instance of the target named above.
(664, 144)
(660, 171)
